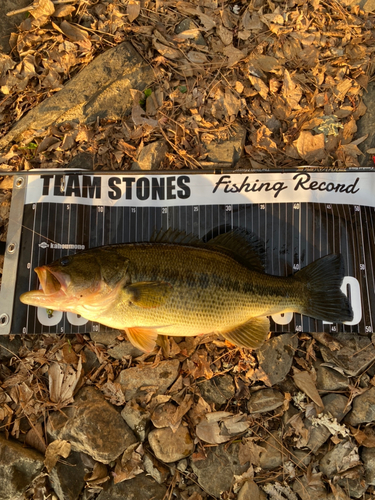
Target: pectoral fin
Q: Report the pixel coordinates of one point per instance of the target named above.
(142, 338)
(149, 294)
(251, 334)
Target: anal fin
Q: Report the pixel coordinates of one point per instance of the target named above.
(251, 334)
(142, 338)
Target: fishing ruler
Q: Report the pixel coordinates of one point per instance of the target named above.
(299, 216)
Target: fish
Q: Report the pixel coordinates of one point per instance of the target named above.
(178, 285)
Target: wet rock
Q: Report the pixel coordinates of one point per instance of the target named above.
(275, 358)
(106, 338)
(124, 349)
(363, 408)
(368, 458)
(93, 426)
(337, 406)
(170, 446)
(158, 379)
(142, 487)
(8, 347)
(226, 152)
(188, 24)
(250, 491)
(265, 400)
(18, 467)
(67, 479)
(354, 357)
(137, 418)
(151, 156)
(328, 379)
(337, 459)
(273, 457)
(216, 472)
(366, 125)
(217, 390)
(100, 90)
(8, 24)
(153, 467)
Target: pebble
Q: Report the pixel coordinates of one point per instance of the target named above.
(148, 378)
(156, 469)
(328, 379)
(92, 426)
(334, 461)
(251, 491)
(363, 408)
(273, 456)
(188, 24)
(151, 156)
(275, 357)
(368, 458)
(124, 349)
(67, 477)
(137, 418)
(170, 446)
(217, 390)
(265, 400)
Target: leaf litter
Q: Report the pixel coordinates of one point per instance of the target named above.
(293, 75)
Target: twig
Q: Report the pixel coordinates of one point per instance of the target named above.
(31, 7)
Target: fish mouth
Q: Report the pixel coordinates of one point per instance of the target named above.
(53, 287)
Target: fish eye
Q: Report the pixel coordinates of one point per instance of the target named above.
(64, 261)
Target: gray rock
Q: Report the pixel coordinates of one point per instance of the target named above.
(216, 472)
(93, 426)
(314, 491)
(137, 418)
(363, 408)
(106, 338)
(368, 458)
(276, 356)
(250, 491)
(273, 457)
(18, 467)
(335, 405)
(100, 90)
(226, 152)
(124, 349)
(366, 125)
(153, 467)
(328, 379)
(265, 400)
(354, 488)
(151, 156)
(82, 160)
(354, 357)
(91, 362)
(217, 390)
(8, 24)
(159, 378)
(300, 456)
(169, 446)
(142, 487)
(334, 461)
(188, 24)
(8, 347)
(67, 479)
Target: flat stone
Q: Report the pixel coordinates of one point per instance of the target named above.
(333, 462)
(189, 24)
(137, 418)
(251, 491)
(8, 24)
(265, 400)
(92, 426)
(216, 473)
(158, 378)
(169, 446)
(156, 469)
(106, 338)
(100, 90)
(82, 160)
(275, 357)
(368, 459)
(217, 390)
(142, 487)
(67, 479)
(151, 156)
(335, 405)
(363, 410)
(124, 349)
(273, 456)
(226, 152)
(18, 467)
(8, 347)
(354, 357)
(328, 379)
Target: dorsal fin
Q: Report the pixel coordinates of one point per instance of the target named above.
(243, 246)
(175, 236)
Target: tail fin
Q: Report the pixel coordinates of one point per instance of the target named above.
(323, 280)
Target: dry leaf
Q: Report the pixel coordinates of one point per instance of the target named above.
(133, 10)
(250, 452)
(304, 381)
(63, 10)
(220, 426)
(72, 32)
(63, 379)
(166, 51)
(291, 91)
(56, 449)
(42, 8)
(311, 147)
(196, 57)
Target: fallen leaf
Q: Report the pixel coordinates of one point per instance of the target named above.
(42, 8)
(311, 147)
(304, 381)
(72, 32)
(133, 10)
(56, 449)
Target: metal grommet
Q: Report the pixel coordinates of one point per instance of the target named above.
(11, 248)
(20, 182)
(4, 319)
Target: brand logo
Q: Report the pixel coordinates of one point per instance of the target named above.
(61, 246)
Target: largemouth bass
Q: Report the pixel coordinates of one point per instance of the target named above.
(178, 285)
